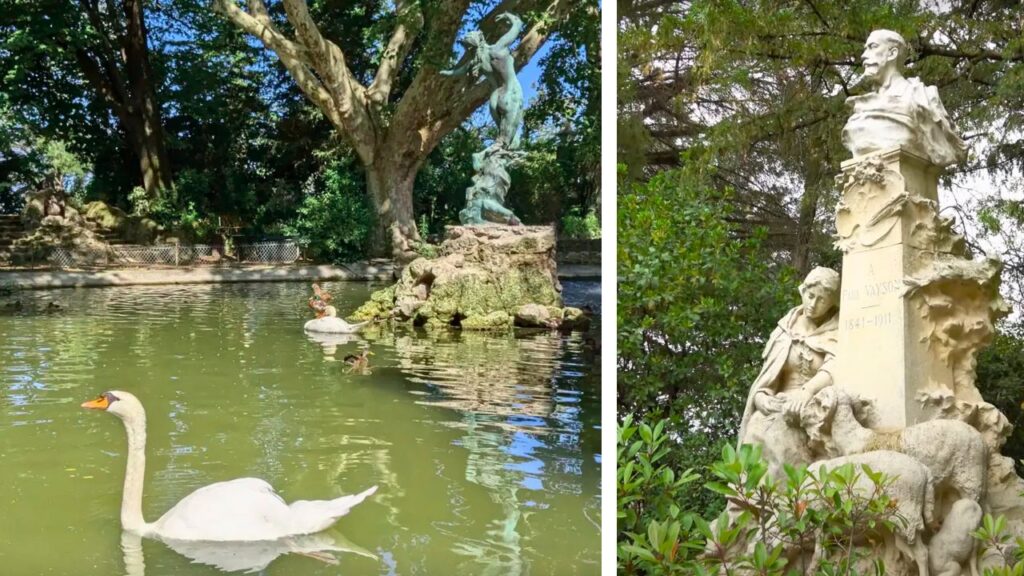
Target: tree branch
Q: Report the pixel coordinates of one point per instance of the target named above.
(115, 90)
(100, 83)
(258, 24)
(292, 56)
(410, 22)
(328, 61)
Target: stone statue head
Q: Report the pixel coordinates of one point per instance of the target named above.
(885, 52)
(819, 293)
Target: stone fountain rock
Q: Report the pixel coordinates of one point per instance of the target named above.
(485, 278)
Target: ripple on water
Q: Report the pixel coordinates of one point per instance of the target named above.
(485, 447)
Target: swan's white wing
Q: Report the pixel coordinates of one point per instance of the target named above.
(237, 510)
(309, 516)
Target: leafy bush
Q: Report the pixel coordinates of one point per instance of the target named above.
(654, 537)
(175, 210)
(584, 227)
(334, 221)
(769, 527)
(697, 299)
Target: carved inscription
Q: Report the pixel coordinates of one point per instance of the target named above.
(878, 320)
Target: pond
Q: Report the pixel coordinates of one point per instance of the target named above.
(485, 448)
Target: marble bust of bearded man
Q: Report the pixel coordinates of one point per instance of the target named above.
(900, 111)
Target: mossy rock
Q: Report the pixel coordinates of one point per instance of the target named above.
(379, 305)
(106, 216)
(139, 230)
(479, 283)
(575, 319)
(497, 320)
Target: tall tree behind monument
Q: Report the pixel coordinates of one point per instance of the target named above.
(395, 115)
(736, 86)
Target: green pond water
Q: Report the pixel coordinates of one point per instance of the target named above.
(486, 449)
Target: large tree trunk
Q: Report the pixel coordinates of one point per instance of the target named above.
(149, 142)
(118, 69)
(390, 187)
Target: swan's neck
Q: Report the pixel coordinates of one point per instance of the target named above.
(131, 500)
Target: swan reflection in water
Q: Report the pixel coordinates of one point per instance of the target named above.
(331, 342)
(243, 556)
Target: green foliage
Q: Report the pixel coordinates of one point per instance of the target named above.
(586, 227)
(243, 140)
(1000, 366)
(770, 529)
(761, 87)
(993, 538)
(697, 300)
(652, 531)
(334, 221)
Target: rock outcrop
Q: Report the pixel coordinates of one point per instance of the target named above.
(484, 278)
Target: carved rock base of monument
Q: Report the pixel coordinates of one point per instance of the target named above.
(485, 278)
(912, 301)
(916, 310)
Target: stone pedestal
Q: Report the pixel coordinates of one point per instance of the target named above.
(488, 277)
(886, 223)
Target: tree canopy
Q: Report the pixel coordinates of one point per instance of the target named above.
(178, 100)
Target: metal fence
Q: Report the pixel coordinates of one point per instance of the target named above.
(284, 252)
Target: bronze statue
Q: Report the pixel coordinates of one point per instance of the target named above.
(486, 196)
(495, 63)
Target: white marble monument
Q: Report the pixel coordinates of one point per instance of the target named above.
(893, 367)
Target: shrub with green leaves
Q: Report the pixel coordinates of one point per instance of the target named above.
(581, 226)
(697, 300)
(334, 221)
(654, 536)
(769, 529)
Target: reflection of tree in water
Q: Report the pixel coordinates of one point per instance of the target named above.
(504, 391)
(483, 373)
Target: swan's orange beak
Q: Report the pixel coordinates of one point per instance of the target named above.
(100, 403)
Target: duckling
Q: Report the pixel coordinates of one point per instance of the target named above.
(359, 363)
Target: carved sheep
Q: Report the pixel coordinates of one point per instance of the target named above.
(911, 489)
(953, 544)
(954, 451)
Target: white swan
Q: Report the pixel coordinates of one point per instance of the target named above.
(246, 509)
(331, 324)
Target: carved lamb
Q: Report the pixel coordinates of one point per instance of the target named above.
(911, 489)
(954, 451)
(953, 545)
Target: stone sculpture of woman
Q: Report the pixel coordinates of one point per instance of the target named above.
(798, 362)
(495, 63)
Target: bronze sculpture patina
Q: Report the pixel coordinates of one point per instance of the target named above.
(486, 196)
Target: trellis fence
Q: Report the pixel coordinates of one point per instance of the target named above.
(284, 252)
